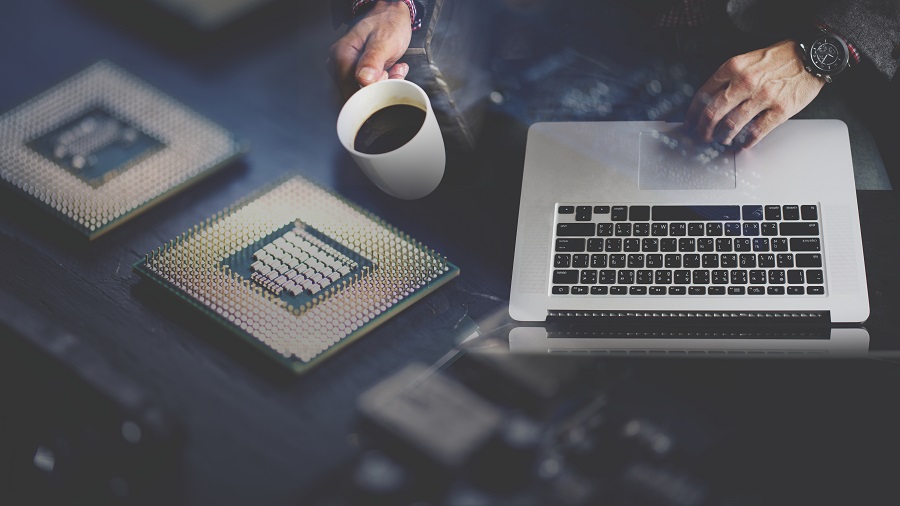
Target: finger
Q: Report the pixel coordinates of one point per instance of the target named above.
(760, 127)
(735, 121)
(398, 71)
(376, 57)
(343, 64)
(703, 96)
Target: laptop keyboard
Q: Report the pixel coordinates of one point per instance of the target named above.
(702, 250)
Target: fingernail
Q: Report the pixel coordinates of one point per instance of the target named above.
(367, 74)
(404, 70)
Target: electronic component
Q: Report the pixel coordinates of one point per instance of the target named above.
(298, 270)
(102, 146)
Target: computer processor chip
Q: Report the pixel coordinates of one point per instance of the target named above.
(297, 271)
(102, 146)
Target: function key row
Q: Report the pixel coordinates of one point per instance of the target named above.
(695, 213)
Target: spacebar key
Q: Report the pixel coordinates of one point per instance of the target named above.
(576, 230)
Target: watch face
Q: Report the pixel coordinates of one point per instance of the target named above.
(828, 54)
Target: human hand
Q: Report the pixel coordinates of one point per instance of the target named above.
(369, 51)
(751, 94)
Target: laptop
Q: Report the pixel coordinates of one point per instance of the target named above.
(634, 220)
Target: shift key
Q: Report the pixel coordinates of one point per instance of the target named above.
(576, 230)
(799, 228)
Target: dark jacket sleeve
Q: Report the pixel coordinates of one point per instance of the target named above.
(873, 26)
(340, 10)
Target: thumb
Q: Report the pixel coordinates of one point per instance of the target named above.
(375, 59)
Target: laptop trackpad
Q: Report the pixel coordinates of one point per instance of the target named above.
(674, 161)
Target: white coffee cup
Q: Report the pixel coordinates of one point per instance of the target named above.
(414, 169)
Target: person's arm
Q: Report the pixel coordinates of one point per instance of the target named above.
(873, 26)
(373, 44)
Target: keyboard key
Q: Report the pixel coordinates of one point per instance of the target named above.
(810, 244)
(617, 261)
(607, 277)
(657, 290)
(562, 260)
(691, 261)
(736, 290)
(787, 260)
(742, 244)
(795, 290)
(714, 229)
(815, 290)
(756, 290)
(706, 244)
(575, 230)
(636, 261)
(604, 229)
(716, 290)
(747, 261)
(583, 213)
(739, 277)
(728, 260)
(751, 229)
(809, 212)
(639, 213)
(579, 290)
(570, 245)
(800, 228)
(757, 277)
(565, 277)
(613, 245)
(773, 213)
(766, 260)
(677, 290)
(580, 261)
(769, 229)
(645, 277)
(776, 277)
(659, 229)
(588, 277)
(695, 229)
(599, 290)
(682, 277)
(673, 261)
(700, 277)
(678, 229)
(637, 290)
(781, 244)
(710, 261)
(619, 213)
(595, 245)
(723, 244)
(641, 229)
(790, 212)
(649, 245)
(809, 260)
(560, 290)
(752, 213)
(598, 261)
(654, 261)
(663, 277)
(668, 244)
(696, 213)
(795, 277)
(686, 245)
(631, 245)
(761, 244)
(732, 229)
(618, 290)
(601, 209)
(814, 277)
(623, 229)
(697, 290)
(566, 210)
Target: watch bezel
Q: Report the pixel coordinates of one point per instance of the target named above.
(835, 41)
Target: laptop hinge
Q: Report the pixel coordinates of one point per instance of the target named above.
(731, 322)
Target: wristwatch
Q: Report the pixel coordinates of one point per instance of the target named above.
(825, 54)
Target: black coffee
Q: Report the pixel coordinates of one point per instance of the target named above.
(389, 128)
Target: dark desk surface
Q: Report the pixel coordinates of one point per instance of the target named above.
(253, 437)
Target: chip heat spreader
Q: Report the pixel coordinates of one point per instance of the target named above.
(297, 271)
(102, 146)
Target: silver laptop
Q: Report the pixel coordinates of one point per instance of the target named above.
(633, 219)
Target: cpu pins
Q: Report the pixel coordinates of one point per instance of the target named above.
(102, 146)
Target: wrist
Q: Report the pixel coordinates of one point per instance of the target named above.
(405, 8)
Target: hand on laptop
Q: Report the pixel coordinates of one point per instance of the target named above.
(751, 94)
(368, 53)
